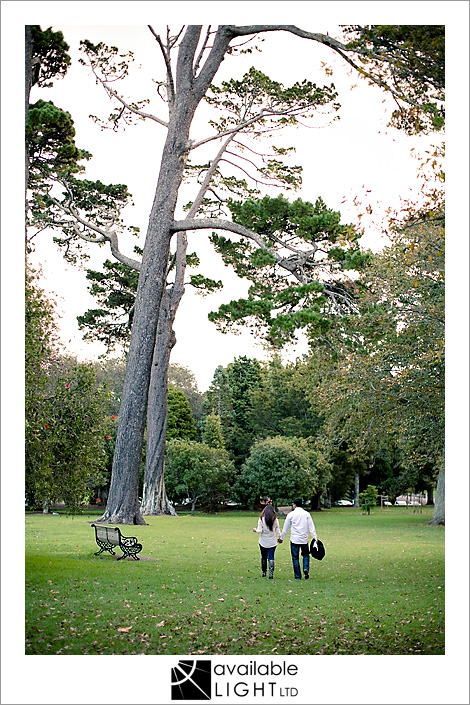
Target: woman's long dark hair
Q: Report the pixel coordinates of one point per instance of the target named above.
(269, 515)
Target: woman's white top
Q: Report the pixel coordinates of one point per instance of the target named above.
(268, 538)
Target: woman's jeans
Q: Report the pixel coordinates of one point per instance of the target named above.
(267, 554)
(294, 549)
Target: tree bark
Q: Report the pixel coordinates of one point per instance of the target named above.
(430, 492)
(157, 502)
(154, 500)
(315, 504)
(356, 490)
(438, 517)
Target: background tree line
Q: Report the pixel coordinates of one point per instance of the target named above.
(366, 402)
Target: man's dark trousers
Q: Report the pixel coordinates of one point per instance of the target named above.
(294, 549)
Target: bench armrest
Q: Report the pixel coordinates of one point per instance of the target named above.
(128, 540)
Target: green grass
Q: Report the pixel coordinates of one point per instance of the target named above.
(379, 590)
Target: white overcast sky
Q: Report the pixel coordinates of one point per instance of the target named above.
(358, 152)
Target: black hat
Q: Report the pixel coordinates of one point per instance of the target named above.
(297, 502)
(317, 549)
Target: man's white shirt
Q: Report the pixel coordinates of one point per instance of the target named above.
(300, 523)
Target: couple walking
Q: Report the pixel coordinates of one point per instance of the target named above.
(300, 523)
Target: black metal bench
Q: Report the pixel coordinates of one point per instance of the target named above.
(109, 537)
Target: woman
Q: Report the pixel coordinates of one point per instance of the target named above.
(268, 528)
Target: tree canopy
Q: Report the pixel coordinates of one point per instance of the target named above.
(66, 414)
(410, 60)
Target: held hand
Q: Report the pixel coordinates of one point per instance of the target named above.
(279, 540)
(254, 530)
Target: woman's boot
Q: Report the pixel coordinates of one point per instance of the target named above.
(264, 565)
(271, 570)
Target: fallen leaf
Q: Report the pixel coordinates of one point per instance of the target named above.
(124, 629)
(160, 624)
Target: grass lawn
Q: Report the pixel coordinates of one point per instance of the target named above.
(379, 590)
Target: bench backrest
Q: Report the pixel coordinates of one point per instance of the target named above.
(107, 533)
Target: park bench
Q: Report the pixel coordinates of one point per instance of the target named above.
(109, 537)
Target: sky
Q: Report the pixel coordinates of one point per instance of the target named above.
(341, 160)
(356, 154)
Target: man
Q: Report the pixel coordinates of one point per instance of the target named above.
(300, 523)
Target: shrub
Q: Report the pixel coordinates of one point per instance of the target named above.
(368, 498)
(195, 471)
(280, 468)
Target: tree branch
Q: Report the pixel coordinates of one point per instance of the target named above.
(166, 57)
(140, 113)
(104, 235)
(328, 41)
(232, 131)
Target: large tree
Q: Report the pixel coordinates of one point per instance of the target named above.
(197, 472)
(66, 413)
(280, 405)
(49, 132)
(40, 334)
(383, 380)
(187, 83)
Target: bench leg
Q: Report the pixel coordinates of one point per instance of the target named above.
(130, 555)
(105, 549)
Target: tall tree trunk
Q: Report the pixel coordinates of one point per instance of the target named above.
(315, 503)
(438, 517)
(123, 503)
(154, 499)
(430, 494)
(356, 490)
(158, 501)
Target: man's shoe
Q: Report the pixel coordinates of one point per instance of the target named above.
(306, 575)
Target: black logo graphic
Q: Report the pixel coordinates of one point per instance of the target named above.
(191, 680)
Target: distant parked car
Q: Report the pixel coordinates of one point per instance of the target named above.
(344, 503)
(388, 504)
(401, 503)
